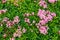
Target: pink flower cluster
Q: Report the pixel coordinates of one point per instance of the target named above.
(52, 1)
(3, 11)
(16, 19)
(27, 20)
(43, 3)
(10, 23)
(43, 30)
(45, 17)
(19, 32)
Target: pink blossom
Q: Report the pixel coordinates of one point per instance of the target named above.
(27, 20)
(32, 13)
(46, 20)
(4, 1)
(52, 1)
(49, 17)
(41, 14)
(3, 11)
(48, 12)
(5, 19)
(19, 27)
(43, 30)
(42, 22)
(45, 17)
(18, 32)
(23, 30)
(43, 4)
(9, 24)
(16, 19)
(5, 35)
(53, 14)
(39, 24)
(12, 38)
(15, 35)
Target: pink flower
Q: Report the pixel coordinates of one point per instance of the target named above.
(46, 20)
(4, 1)
(18, 33)
(52, 1)
(48, 12)
(15, 35)
(16, 19)
(45, 17)
(53, 14)
(42, 22)
(43, 4)
(49, 17)
(9, 24)
(23, 30)
(5, 19)
(32, 13)
(3, 11)
(5, 35)
(19, 27)
(27, 20)
(39, 24)
(43, 30)
(12, 38)
(41, 14)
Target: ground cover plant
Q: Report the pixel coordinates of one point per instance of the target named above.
(29, 19)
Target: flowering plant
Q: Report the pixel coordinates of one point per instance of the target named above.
(29, 20)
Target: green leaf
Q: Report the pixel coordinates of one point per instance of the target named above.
(1, 28)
